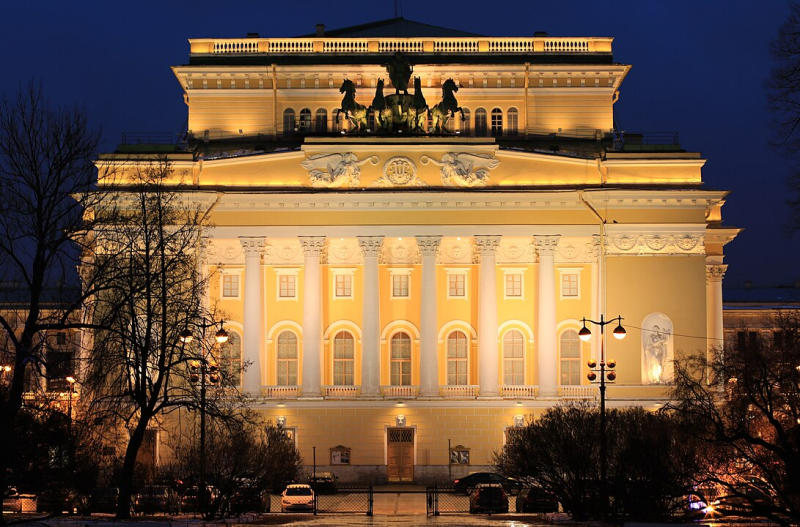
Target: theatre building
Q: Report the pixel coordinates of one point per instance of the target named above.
(406, 284)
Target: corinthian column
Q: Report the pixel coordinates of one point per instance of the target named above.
(253, 248)
(546, 329)
(428, 324)
(715, 330)
(371, 317)
(487, 317)
(312, 316)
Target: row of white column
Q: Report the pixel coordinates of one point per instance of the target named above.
(488, 349)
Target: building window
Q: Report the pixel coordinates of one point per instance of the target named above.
(337, 123)
(287, 286)
(512, 128)
(569, 285)
(230, 286)
(570, 351)
(747, 340)
(288, 122)
(514, 285)
(305, 121)
(513, 358)
(497, 122)
(344, 286)
(321, 121)
(61, 338)
(230, 360)
(457, 359)
(456, 283)
(400, 286)
(287, 359)
(57, 369)
(466, 123)
(343, 359)
(401, 360)
(480, 122)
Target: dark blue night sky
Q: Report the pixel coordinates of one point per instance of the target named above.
(699, 69)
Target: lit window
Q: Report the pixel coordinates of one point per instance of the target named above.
(401, 360)
(456, 285)
(497, 122)
(287, 286)
(513, 358)
(514, 285)
(400, 285)
(230, 359)
(230, 286)
(344, 286)
(305, 120)
(569, 285)
(287, 359)
(570, 351)
(288, 122)
(465, 124)
(512, 127)
(480, 122)
(343, 359)
(457, 359)
(321, 121)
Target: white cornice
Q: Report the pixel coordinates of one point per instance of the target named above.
(655, 162)
(243, 160)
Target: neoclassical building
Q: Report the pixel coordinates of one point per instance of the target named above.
(405, 289)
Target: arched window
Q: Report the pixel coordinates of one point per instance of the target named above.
(337, 127)
(287, 359)
(570, 351)
(305, 121)
(288, 122)
(401, 360)
(230, 359)
(343, 359)
(513, 122)
(480, 122)
(497, 122)
(466, 124)
(321, 121)
(513, 358)
(456, 359)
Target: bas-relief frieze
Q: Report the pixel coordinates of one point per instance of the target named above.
(344, 252)
(335, 170)
(399, 171)
(655, 244)
(460, 252)
(578, 250)
(400, 252)
(464, 170)
(283, 253)
(224, 252)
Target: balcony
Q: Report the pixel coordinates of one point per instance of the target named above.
(341, 392)
(399, 392)
(466, 391)
(280, 392)
(519, 392)
(578, 392)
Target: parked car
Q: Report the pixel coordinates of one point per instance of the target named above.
(536, 500)
(103, 499)
(323, 482)
(250, 499)
(297, 497)
(488, 497)
(11, 500)
(468, 483)
(157, 498)
(60, 500)
(191, 502)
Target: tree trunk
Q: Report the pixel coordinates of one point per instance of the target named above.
(128, 467)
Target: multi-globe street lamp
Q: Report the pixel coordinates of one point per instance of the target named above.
(71, 381)
(602, 374)
(204, 370)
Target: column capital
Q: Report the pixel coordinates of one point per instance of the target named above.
(488, 244)
(715, 273)
(546, 245)
(312, 245)
(428, 245)
(253, 246)
(370, 245)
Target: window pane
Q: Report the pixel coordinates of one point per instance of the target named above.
(480, 122)
(230, 285)
(514, 285)
(513, 122)
(287, 286)
(321, 121)
(497, 122)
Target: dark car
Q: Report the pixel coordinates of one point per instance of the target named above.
(323, 482)
(467, 483)
(60, 500)
(536, 500)
(103, 499)
(191, 502)
(157, 498)
(250, 499)
(488, 497)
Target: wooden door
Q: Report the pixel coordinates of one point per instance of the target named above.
(400, 448)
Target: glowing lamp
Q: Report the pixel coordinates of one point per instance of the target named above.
(612, 363)
(592, 363)
(592, 376)
(611, 375)
(584, 334)
(186, 336)
(619, 332)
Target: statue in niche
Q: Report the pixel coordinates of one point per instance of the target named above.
(400, 70)
(655, 354)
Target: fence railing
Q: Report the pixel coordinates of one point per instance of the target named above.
(459, 391)
(519, 392)
(341, 392)
(399, 392)
(577, 392)
(280, 392)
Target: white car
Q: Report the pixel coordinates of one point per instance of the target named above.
(297, 498)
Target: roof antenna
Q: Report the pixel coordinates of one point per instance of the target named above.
(395, 8)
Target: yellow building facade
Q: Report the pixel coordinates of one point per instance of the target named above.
(402, 293)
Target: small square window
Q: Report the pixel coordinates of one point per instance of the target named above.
(569, 285)
(230, 286)
(288, 286)
(400, 286)
(456, 284)
(61, 338)
(514, 285)
(344, 285)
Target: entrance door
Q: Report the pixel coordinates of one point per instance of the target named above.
(401, 454)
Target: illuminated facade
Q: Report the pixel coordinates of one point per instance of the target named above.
(398, 293)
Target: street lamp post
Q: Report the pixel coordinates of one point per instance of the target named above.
(71, 380)
(606, 371)
(198, 369)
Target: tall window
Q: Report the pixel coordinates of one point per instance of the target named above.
(466, 124)
(230, 359)
(305, 121)
(337, 127)
(570, 358)
(288, 286)
(288, 122)
(512, 128)
(480, 122)
(497, 122)
(513, 358)
(457, 359)
(401, 360)
(456, 284)
(321, 121)
(344, 285)
(343, 359)
(230, 286)
(287, 359)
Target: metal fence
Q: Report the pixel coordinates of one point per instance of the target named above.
(352, 499)
(445, 500)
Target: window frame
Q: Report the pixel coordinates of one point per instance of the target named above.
(456, 359)
(395, 272)
(230, 273)
(351, 361)
(496, 122)
(343, 272)
(512, 122)
(515, 359)
(227, 362)
(281, 272)
(482, 125)
(455, 272)
(574, 362)
(570, 272)
(514, 271)
(401, 360)
(287, 360)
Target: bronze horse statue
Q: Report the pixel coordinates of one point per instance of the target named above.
(416, 112)
(354, 112)
(448, 107)
(381, 111)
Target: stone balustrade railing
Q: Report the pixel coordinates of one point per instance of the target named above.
(466, 391)
(577, 392)
(461, 45)
(399, 392)
(519, 392)
(280, 392)
(341, 392)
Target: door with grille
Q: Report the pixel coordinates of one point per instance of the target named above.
(400, 450)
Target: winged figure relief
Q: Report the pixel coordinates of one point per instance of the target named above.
(335, 170)
(464, 170)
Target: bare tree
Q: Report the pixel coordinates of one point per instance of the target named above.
(148, 239)
(46, 182)
(748, 415)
